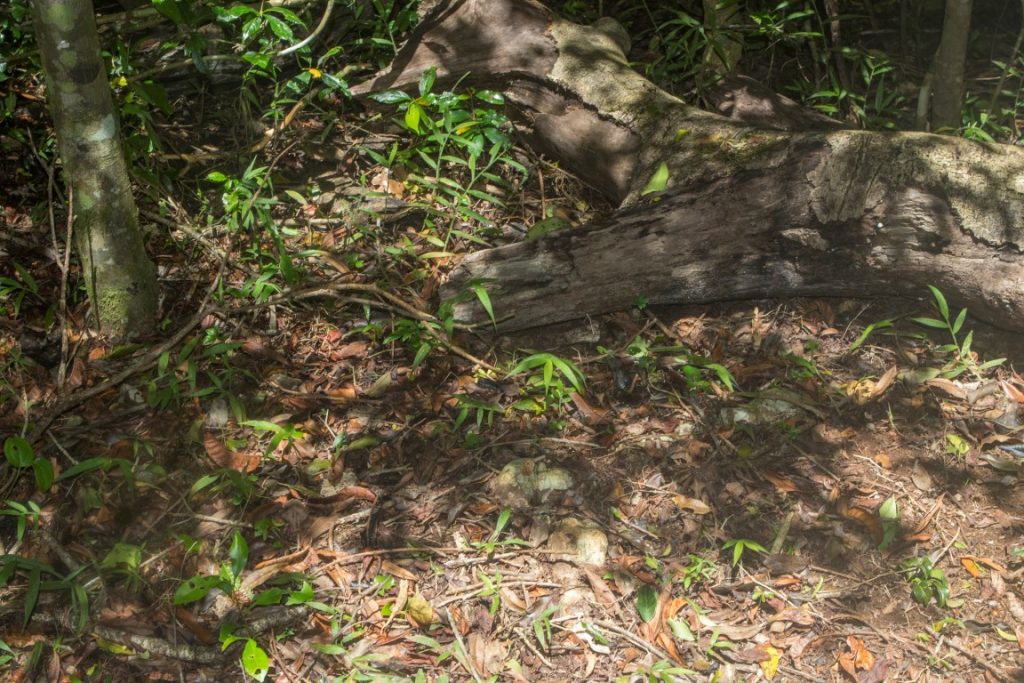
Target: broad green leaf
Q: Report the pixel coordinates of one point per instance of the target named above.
(263, 426)
(412, 116)
(197, 588)
(280, 28)
(541, 228)
(391, 97)
(490, 97)
(255, 660)
(658, 181)
(427, 78)
(18, 451)
(239, 554)
(647, 602)
(681, 631)
(889, 511)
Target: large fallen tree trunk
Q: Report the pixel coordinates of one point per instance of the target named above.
(750, 209)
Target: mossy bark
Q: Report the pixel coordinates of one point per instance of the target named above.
(764, 203)
(120, 279)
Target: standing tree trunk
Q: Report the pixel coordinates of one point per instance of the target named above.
(119, 277)
(948, 67)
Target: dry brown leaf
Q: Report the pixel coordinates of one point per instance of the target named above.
(782, 483)
(602, 592)
(228, 459)
(971, 566)
(883, 384)
(1012, 392)
(355, 349)
(869, 520)
(589, 413)
(390, 567)
(488, 655)
(694, 505)
(988, 562)
(884, 461)
(920, 476)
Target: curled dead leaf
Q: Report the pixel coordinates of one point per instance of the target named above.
(694, 505)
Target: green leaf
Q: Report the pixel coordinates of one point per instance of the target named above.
(44, 474)
(940, 302)
(485, 300)
(681, 631)
(239, 554)
(271, 596)
(647, 602)
(412, 117)
(889, 512)
(391, 97)
(197, 588)
(427, 80)
(421, 353)
(490, 97)
(658, 181)
(18, 451)
(931, 322)
(264, 426)
(280, 28)
(959, 322)
(32, 593)
(170, 9)
(255, 660)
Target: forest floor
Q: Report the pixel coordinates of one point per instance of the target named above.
(809, 490)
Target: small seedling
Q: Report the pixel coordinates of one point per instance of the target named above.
(740, 546)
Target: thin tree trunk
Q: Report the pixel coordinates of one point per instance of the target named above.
(120, 279)
(948, 67)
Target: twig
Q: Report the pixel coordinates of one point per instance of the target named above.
(312, 36)
(639, 642)
(462, 646)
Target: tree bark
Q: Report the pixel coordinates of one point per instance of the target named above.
(948, 66)
(749, 211)
(119, 277)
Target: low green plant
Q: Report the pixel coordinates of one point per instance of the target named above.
(542, 626)
(956, 445)
(494, 540)
(962, 359)
(889, 515)
(698, 570)
(491, 589)
(21, 456)
(40, 577)
(13, 290)
(483, 411)
(927, 582)
(739, 546)
(458, 143)
(286, 433)
(26, 514)
(550, 382)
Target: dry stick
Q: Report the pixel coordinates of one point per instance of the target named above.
(312, 36)
(462, 646)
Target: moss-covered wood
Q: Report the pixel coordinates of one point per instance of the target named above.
(766, 202)
(121, 280)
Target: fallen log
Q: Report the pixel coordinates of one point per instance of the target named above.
(752, 208)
